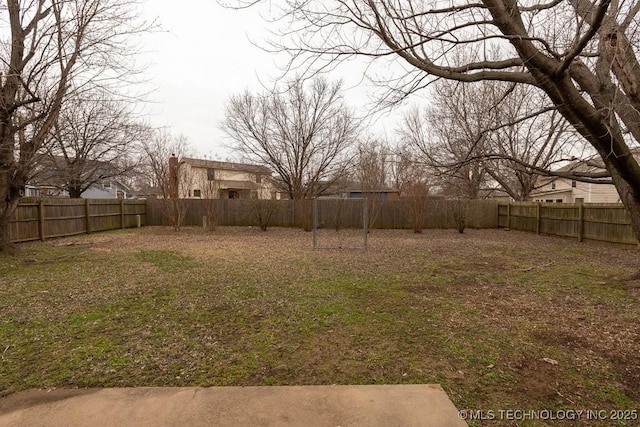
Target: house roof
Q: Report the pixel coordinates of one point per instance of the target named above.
(147, 191)
(214, 164)
(592, 164)
(372, 190)
(357, 187)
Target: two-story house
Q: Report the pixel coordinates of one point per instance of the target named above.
(210, 179)
(565, 190)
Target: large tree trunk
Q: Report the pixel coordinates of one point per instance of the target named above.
(9, 196)
(6, 211)
(567, 86)
(75, 192)
(628, 195)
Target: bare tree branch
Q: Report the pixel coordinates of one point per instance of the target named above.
(303, 133)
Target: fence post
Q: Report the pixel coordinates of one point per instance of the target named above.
(41, 219)
(87, 216)
(538, 218)
(365, 220)
(122, 213)
(581, 222)
(509, 215)
(315, 222)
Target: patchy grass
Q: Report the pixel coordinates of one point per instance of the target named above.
(478, 313)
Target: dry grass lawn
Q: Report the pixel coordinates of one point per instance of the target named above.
(502, 320)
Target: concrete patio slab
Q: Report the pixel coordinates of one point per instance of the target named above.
(366, 405)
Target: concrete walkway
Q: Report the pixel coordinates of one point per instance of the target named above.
(385, 405)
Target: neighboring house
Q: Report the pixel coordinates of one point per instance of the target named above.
(49, 180)
(36, 189)
(147, 193)
(496, 194)
(564, 190)
(106, 189)
(383, 192)
(110, 188)
(355, 190)
(209, 179)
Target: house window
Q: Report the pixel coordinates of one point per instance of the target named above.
(233, 194)
(559, 200)
(32, 192)
(579, 200)
(548, 201)
(106, 184)
(258, 179)
(197, 193)
(553, 185)
(211, 174)
(574, 184)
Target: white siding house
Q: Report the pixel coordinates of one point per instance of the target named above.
(564, 190)
(209, 179)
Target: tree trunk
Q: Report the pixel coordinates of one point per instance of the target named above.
(7, 208)
(629, 198)
(75, 192)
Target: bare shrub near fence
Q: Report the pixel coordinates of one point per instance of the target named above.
(174, 210)
(373, 210)
(338, 215)
(211, 201)
(459, 210)
(263, 212)
(211, 209)
(417, 193)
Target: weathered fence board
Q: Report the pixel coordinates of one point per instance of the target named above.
(40, 219)
(607, 223)
(289, 213)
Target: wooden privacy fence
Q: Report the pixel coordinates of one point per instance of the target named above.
(607, 223)
(289, 213)
(39, 219)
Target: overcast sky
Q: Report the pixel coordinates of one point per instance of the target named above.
(203, 56)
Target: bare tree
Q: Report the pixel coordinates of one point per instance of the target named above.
(303, 132)
(93, 139)
(416, 191)
(582, 54)
(371, 173)
(527, 141)
(448, 135)
(161, 154)
(403, 166)
(413, 179)
(211, 195)
(51, 47)
(477, 135)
